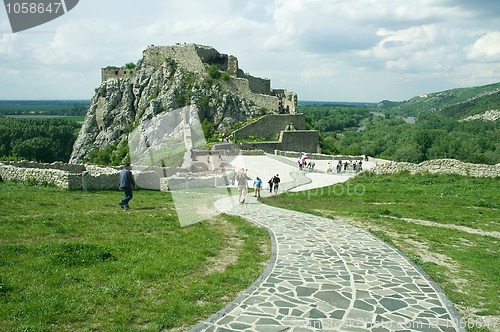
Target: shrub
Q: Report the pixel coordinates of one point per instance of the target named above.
(130, 65)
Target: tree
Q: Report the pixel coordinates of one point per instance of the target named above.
(36, 148)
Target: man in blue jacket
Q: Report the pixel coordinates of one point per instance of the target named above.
(127, 183)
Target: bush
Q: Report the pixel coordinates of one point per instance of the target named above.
(213, 72)
(114, 155)
(130, 65)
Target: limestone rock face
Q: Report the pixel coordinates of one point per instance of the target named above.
(168, 78)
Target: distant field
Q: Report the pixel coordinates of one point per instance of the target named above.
(77, 118)
(44, 107)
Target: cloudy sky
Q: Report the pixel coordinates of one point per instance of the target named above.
(329, 50)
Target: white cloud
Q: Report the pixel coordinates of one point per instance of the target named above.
(486, 48)
(8, 47)
(83, 40)
(325, 50)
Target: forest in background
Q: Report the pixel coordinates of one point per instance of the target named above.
(45, 140)
(422, 128)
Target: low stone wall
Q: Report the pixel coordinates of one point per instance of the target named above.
(90, 177)
(72, 168)
(189, 180)
(59, 178)
(66, 176)
(300, 140)
(271, 125)
(317, 156)
(440, 166)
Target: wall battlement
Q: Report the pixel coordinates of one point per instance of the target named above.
(115, 72)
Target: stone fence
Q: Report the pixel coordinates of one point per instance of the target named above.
(317, 156)
(74, 177)
(91, 177)
(65, 176)
(440, 166)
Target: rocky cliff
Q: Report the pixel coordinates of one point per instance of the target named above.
(168, 78)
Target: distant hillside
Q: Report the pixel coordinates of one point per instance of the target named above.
(457, 103)
(455, 124)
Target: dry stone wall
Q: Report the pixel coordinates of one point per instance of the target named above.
(65, 176)
(440, 166)
(91, 177)
(317, 156)
(80, 177)
(271, 125)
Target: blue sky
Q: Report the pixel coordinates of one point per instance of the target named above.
(330, 50)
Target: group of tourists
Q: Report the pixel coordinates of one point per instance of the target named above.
(356, 166)
(304, 162)
(274, 184)
(242, 183)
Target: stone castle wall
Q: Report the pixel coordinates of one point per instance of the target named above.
(195, 58)
(114, 72)
(245, 91)
(440, 166)
(271, 125)
(296, 140)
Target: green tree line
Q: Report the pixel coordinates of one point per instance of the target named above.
(434, 135)
(43, 140)
(44, 107)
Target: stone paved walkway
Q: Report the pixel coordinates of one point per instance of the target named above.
(325, 275)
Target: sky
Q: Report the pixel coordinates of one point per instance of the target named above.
(324, 50)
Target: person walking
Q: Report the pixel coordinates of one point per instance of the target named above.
(127, 184)
(241, 179)
(257, 184)
(270, 182)
(276, 183)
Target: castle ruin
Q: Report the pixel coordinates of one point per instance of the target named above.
(196, 58)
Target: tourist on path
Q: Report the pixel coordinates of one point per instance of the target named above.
(127, 184)
(257, 184)
(276, 183)
(270, 182)
(241, 179)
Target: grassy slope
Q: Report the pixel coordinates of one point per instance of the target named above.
(456, 102)
(74, 261)
(464, 264)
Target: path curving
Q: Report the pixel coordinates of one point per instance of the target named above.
(326, 275)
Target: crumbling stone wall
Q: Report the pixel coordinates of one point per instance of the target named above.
(61, 175)
(72, 168)
(297, 140)
(317, 156)
(115, 72)
(440, 166)
(271, 125)
(78, 177)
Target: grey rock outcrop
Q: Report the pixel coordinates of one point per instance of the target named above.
(168, 78)
(491, 115)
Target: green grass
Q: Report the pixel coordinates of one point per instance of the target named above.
(74, 261)
(464, 264)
